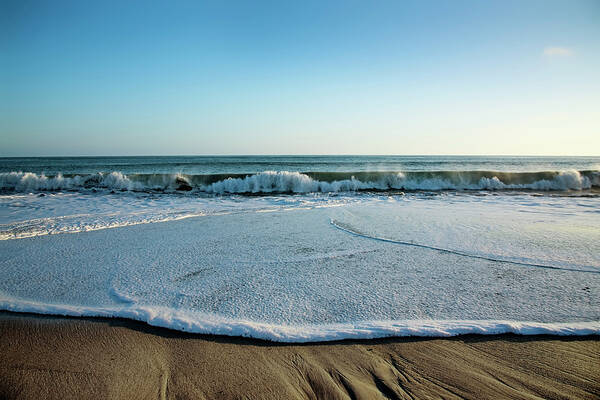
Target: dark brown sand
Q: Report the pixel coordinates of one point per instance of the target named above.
(63, 358)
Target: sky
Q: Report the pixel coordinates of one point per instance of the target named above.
(299, 77)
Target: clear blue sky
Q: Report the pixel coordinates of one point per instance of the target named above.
(398, 77)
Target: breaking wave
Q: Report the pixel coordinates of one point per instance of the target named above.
(298, 182)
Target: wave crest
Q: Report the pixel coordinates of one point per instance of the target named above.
(308, 182)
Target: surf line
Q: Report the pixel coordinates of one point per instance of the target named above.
(337, 225)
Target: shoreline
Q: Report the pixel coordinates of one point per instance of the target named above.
(44, 356)
(274, 333)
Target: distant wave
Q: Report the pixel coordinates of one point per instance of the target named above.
(305, 182)
(204, 323)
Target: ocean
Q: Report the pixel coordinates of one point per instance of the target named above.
(306, 248)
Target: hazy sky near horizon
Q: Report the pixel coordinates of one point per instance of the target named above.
(334, 77)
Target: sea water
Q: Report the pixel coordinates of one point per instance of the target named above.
(306, 248)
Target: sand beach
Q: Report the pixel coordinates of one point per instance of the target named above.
(67, 358)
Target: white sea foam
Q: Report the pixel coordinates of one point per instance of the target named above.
(292, 276)
(28, 215)
(216, 325)
(497, 258)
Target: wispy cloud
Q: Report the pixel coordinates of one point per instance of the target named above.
(555, 51)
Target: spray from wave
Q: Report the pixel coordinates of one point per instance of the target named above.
(297, 182)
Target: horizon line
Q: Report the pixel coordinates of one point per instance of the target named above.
(297, 155)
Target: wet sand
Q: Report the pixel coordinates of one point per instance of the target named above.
(43, 357)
